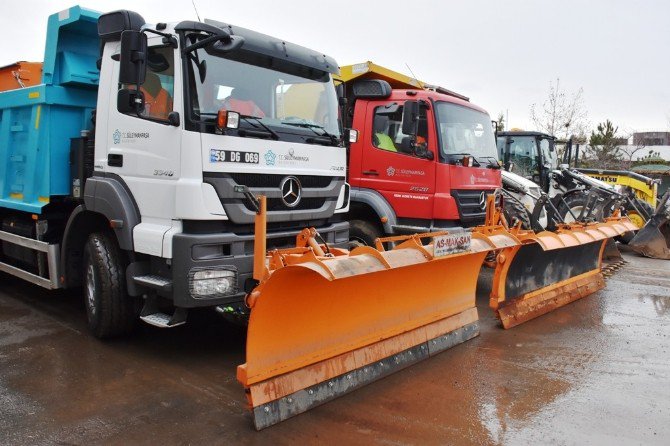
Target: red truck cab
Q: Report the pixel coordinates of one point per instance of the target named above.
(432, 173)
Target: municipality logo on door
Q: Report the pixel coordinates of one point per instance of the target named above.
(116, 136)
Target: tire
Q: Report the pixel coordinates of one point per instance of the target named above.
(576, 202)
(514, 212)
(635, 217)
(110, 311)
(363, 233)
(643, 206)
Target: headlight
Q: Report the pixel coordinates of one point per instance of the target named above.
(213, 282)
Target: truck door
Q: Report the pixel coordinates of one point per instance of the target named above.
(144, 148)
(389, 164)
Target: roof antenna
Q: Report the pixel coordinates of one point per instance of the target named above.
(414, 76)
(196, 11)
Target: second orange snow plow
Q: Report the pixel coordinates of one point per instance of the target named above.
(325, 321)
(550, 269)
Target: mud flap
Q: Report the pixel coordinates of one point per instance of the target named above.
(550, 270)
(324, 327)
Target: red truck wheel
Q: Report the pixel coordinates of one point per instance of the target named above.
(363, 233)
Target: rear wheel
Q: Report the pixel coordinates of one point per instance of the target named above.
(363, 233)
(110, 311)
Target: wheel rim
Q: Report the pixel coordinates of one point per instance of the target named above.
(636, 218)
(90, 289)
(575, 211)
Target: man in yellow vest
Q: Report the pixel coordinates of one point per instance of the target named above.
(380, 127)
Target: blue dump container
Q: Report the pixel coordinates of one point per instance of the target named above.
(36, 123)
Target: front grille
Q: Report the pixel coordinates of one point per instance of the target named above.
(471, 207)
(318, 198)
(271, 181)
(276, 204)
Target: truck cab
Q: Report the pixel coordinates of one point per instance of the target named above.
(422, 159)
(531, 155)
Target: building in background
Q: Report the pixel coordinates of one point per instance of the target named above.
(660, 138)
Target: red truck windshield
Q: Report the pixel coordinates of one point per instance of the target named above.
(464, 131)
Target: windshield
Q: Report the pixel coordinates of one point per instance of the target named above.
(548, 152)
(523, 155)
(287, 99)
(464, 131)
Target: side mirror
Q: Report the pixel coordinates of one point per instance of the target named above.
(339, 90)
(133, 58)
(130, 101)
(350, 136)
(410, 117)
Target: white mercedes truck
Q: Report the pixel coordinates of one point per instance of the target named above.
(124, 173)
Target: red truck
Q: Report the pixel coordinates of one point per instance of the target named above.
(421, 158)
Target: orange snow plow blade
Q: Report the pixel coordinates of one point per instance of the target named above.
(326, 321)
(551, 269)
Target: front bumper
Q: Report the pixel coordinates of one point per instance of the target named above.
(230, 250)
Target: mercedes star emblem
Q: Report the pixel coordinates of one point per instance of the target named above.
(291, 191)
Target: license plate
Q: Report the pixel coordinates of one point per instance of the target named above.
(451, 243)
(233, 156)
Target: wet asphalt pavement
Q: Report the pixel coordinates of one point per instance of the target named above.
(594, 372)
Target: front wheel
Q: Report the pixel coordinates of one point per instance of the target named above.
(363, 233)
(576, 204)
(636, 217)
(110, 311)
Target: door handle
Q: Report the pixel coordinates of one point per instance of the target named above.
(370, 172)
(115, 160)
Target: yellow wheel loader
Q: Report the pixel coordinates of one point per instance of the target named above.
(325, 321)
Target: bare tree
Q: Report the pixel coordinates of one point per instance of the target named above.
(561, 114)
(629, 152)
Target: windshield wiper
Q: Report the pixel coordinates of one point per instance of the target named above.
(459, 154)
(306, 125)
(268, 131)
(492, 162)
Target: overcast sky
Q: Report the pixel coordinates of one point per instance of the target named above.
(502, 54)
